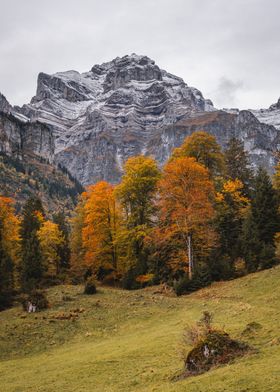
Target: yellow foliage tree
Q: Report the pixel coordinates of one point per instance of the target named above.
(137, 194)
(50, 238)
(10, 228)
(204, 148)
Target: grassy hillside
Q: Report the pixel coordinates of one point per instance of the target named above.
(129, 341)
(21, 179)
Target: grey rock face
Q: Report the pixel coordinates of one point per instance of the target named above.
(101, 117)
(4, 104)
(19, 137)
(125, 107)
(269, 116)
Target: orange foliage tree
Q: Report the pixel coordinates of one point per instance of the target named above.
(186, 195)
(101, 219)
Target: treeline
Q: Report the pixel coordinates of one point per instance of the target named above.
(206, 216)
(34, 251)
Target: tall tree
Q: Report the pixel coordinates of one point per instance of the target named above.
(204, 148)
(262, 224)
(101, 220)
(8, 250)
(238, 164)
(231, 209)
(136, 194)
(6, 274)
(64, 247)
(51, 240)
(10, 228)
(186, 197)
(77, 222)
(31, 263)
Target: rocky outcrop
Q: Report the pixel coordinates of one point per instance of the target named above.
(260, 140)
(125, 107)
(19, 137)
(4, 104)
(269, 116)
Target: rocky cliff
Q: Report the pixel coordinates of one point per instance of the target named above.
(269, 116)
(125, 107)
(26, 154)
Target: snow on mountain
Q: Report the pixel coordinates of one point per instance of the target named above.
(269, 116)
(129, 106)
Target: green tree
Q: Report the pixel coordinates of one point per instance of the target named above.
(6, 274)
(262, 224)
(231, 208)
(31, 263)
(64, 248)
(238, 164)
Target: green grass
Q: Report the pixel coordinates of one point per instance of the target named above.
(129, 341)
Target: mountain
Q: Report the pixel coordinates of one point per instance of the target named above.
(269, 116)
(128, 106)
(26, 168)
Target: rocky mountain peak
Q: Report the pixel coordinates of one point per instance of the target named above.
(4, 104)
(275, 105)
(269, 116)
(127, 69)
(130, 106)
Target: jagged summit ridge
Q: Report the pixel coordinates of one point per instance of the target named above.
(269, 116)
(127, 98)
(130, 106)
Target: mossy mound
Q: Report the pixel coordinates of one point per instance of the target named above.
(90, 286)
(37, 298)
(214, 349)
(251, 329)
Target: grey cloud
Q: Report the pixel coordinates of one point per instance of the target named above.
(226, 93)
(198, 40)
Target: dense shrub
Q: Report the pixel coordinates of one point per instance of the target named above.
(182, 285)
(90, 286)
(211, 347)
(37, 298)
(215, 349)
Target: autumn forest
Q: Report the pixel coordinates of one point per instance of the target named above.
(206, 216)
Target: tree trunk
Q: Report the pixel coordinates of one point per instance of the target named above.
(190, 256)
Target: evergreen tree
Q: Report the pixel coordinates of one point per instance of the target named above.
(262, 224)
(231, 208)
(265, 207)
(6, 275)
(64, 249)
(31, 263)
(238, 164)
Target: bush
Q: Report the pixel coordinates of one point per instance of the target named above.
(211, 347)
(216, 348)
(182, 285)
(201, 278)
(37, 298)
(90, 286)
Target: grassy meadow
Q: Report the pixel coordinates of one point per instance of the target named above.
(130, 340)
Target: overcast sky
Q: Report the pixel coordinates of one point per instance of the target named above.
(228, 49)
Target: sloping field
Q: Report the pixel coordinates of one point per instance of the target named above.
(129, 341)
